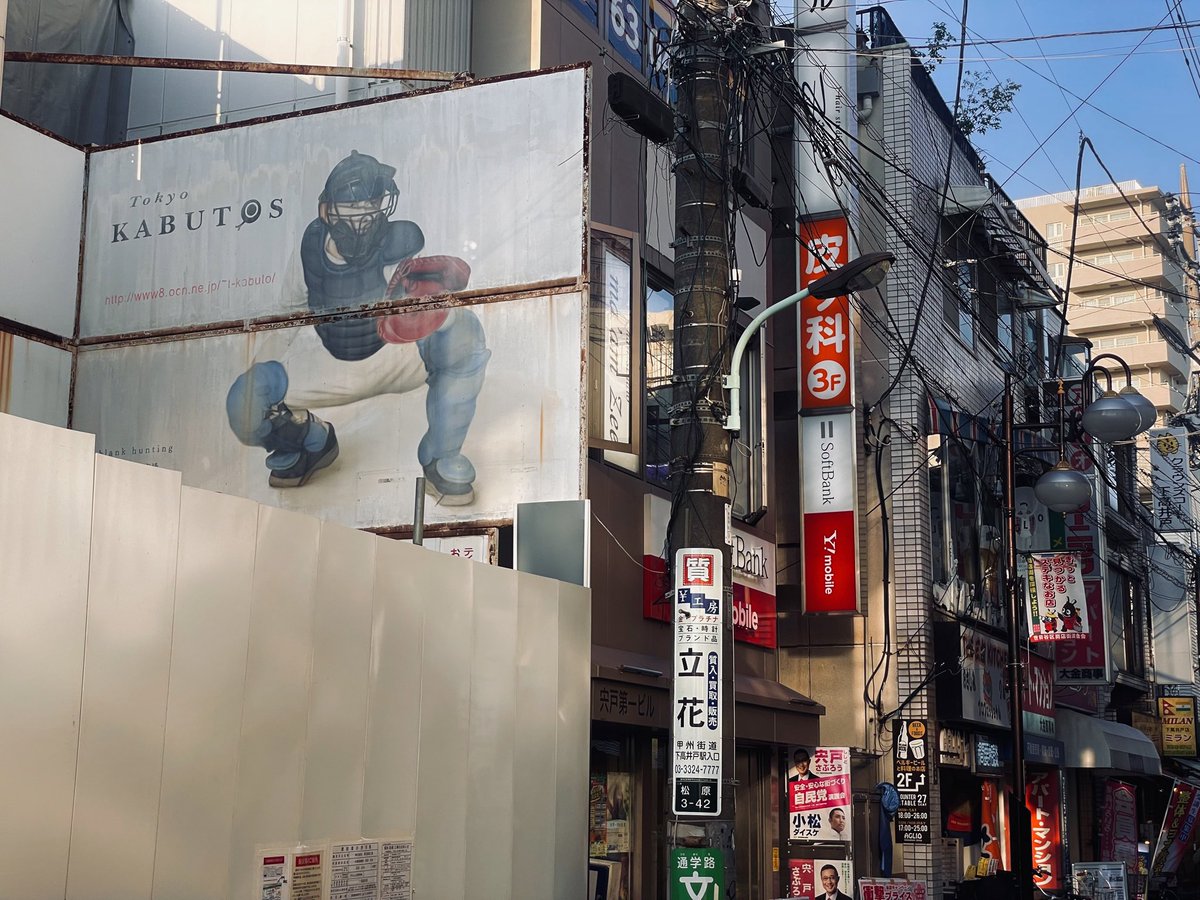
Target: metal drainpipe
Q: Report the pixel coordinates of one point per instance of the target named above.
(341, 84)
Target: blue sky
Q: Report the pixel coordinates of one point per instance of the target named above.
(1034, 151)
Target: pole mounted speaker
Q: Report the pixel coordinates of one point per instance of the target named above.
(640, 109)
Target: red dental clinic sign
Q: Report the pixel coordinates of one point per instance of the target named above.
(829, 492)
(826, 344)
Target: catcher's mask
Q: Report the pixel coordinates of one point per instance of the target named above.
(359, 197)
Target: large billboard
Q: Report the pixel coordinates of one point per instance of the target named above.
(317, 310)
(234, 224)
(187, 405)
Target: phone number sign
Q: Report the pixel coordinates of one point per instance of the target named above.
(696, 731)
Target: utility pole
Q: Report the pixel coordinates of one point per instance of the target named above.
(700, 461)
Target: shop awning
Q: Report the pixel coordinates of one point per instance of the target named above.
(635, 689)
(1100, 744)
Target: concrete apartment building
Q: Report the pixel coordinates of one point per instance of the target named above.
(1132, 246)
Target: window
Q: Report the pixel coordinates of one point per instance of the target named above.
(1058, 271)
(748, 451)
(613, 321)
(1125, 642)
(965, 527)
(1054, 231)
(660, 366)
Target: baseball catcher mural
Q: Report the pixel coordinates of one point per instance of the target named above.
(354, 254)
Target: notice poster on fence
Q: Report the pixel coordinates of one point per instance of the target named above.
(1057, 606)
(308, 876)
(272, 875)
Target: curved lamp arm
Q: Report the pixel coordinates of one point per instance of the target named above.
(733, 381)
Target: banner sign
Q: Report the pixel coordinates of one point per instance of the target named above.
(753, 563)
(1082, 661)
(1178, 715)
(1179, 824)
(697, 873)
(1057, 609)
(891, 889)
(829, 503)
(1043, 800)
(993, 844)
(817, 877)
(1037, 695)
(1118, 823)
(910, 759)
(819, 800)
(974, 684)
(1171, 480)
(272, 416)
(237, 224)
(696, 750)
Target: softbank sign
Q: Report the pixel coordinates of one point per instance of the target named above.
(753, 578)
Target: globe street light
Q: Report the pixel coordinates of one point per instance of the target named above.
(859, 274)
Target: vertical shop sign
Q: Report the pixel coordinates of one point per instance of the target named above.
(819, 803)
(1170, 480)
(829, 503)
(1057, 608)
(1178, 715)
(910, 756)
(697, 873)
(698, 667)
(826, 341)
(828, 449)
(1037, 695)
(991, 845)
(1082, 662)
(1118, 824)
(1178, 827)
(1045, 822)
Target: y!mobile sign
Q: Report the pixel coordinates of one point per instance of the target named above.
(829, 502)
(827, 430)
(696, 749)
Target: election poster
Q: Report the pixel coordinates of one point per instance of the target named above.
(819, 797)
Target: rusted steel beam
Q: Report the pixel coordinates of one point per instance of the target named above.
(231, 65)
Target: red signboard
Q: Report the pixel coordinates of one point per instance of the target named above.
(1084, 661)
(1179, 824)
(830, 555)
(1118, 824)
(753, 561)
(754, 611)
(1045, 824)
(891, 889)
(826, 341)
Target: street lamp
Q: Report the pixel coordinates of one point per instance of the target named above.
(1113, 417)
(859, 274)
